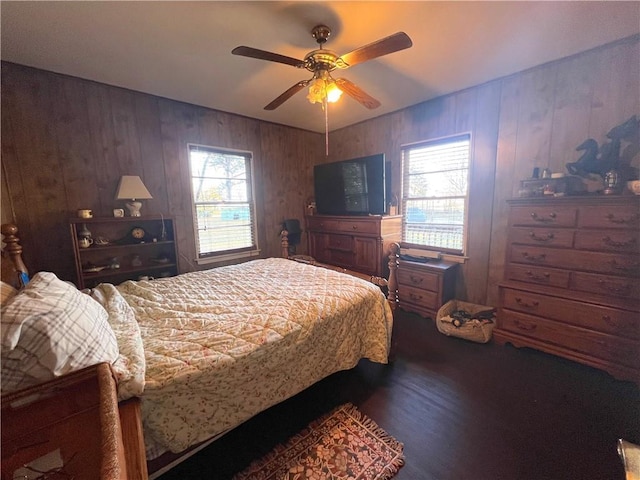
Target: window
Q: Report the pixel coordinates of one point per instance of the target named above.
(224, 212)
(435, 191)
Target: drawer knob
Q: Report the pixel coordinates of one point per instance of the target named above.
(624, 267)
(525, 326)
(415, 280)
(607, 319)
(522, 303)
(541, 238)
(619, 220)
(355, 227)
(413, 296)
(552, 217)
(614, 288)
(541, 278)
(612, 243)
(534, 258)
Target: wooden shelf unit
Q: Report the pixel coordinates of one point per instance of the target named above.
(571, 285)
(359, 243)
(124, 248)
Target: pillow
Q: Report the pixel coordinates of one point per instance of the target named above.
(49, 329)
(7, 292)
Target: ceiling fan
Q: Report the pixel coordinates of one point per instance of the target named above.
(322, 62)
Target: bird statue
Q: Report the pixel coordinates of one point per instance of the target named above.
(588, 161)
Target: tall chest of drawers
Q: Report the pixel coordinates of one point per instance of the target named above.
(571, 285)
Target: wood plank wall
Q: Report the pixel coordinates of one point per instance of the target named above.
(65, 143)
(532, 119)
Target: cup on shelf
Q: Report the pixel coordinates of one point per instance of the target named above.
(85, 242)
(85, 213)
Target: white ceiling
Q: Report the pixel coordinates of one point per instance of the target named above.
(182, 50)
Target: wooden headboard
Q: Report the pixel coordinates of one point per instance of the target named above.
(13, 271)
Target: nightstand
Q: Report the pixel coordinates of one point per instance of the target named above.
(424, 287)
(73, 424)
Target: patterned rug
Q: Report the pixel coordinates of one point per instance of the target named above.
(344, 444)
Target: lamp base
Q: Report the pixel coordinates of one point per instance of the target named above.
(133, 208)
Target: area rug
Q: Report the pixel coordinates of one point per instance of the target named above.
(343, 444)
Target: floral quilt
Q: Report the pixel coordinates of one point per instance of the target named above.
(224, 344)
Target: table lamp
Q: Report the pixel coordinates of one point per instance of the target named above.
(133, 190)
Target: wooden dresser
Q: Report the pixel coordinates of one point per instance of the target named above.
(571, 284)
(424, 287)
(357, 243)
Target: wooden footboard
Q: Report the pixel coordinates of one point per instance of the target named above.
(391, 284)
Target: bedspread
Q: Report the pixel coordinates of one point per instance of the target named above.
(224, 344)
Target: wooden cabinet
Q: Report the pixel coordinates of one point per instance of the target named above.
(73, 424)
(357, 243)
(123, 249)
(571, 285)
(424, 287)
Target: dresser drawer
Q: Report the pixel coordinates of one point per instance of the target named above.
(614, 321)
(542, 236)
(548, 215)
(608, 263)
(623, 241)
(359, 227)
(606, 285)
(541, 276)
(340, 242)
(321, 224)
(417, 296)
(589, 342)
(419, 279)
(610, 216)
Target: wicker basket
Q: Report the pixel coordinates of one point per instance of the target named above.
(480, 333)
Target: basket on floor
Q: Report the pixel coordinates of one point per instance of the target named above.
(474, 330)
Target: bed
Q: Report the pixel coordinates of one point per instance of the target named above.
(207, 350)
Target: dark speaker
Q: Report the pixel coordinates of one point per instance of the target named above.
(292, 226)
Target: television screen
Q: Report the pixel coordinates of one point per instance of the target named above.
(351, 187)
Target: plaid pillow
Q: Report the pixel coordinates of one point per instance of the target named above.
(49, 329)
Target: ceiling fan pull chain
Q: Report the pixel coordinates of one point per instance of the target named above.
(326, 125)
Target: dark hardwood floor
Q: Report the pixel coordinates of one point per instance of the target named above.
(463, 411)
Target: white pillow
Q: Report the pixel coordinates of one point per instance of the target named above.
(49, 329)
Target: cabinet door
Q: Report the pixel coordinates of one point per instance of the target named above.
(318, 247)
(368, 255)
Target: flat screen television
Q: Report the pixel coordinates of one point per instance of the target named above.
(351, 187)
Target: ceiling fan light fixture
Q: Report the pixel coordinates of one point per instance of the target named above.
(333, 92)
(322, 88)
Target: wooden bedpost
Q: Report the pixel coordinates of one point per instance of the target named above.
(14, 270)
(284, 244)
(392, 294)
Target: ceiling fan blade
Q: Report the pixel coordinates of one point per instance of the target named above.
(357, 93)
(287, 95)
(393, 43)
(269, 56)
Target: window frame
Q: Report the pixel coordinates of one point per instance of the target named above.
(440, 251)
(234, 253)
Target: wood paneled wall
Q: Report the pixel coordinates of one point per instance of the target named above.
(65, 143)
(533, 119)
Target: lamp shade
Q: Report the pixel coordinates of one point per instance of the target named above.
(132, 188)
